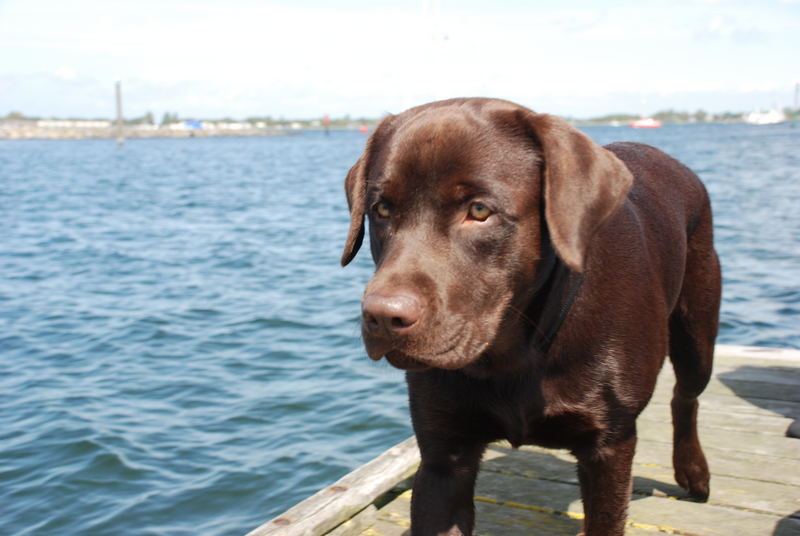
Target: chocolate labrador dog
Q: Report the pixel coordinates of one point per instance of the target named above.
(531, 283)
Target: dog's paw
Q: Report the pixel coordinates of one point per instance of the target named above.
(691, 469)
(694, 478)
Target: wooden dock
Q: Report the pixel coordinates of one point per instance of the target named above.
(755, 470)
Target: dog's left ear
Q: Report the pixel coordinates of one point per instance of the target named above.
(584, 184)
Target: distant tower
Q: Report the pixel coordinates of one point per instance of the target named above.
(120, 131)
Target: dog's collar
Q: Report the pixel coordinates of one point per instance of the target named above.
(556, 296)
(576, 280)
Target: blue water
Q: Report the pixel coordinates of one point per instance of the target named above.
(179, 348)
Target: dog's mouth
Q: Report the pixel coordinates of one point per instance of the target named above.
(454, 354)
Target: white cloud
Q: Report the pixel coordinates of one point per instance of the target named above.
(65, 73)
(729, 28)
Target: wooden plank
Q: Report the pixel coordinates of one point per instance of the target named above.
(513, 519)
(394, 519)
(335, 504)
(733, 464)
(682, 517)
(658, 513)
(752, 391)
(726, 440)
(725, 462)
(718, 410)
(533, 506)
(742, 383)
(779, 374)
(385, 528)
(737, 464)
(754, 353)
(492, 519)
(770, 365)
(357, 524)
(715, 418)
(774, 498)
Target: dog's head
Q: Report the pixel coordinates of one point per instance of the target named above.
(462, 198)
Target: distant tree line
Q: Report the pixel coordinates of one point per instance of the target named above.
(667, 116)
(673, 116)
(19, 116)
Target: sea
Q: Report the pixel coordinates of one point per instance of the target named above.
(179, 346)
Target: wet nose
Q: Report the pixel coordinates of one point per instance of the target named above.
(395, 314)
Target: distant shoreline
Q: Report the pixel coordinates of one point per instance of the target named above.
(16, 126)
(78, 129)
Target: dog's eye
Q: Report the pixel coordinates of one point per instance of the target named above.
(479, 211)
(382, 209)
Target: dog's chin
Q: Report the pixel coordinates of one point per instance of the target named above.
(395, 357)
(405, 360)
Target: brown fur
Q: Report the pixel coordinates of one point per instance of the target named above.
(547, 322)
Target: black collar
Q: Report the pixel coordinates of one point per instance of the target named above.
(553, 301)
(571, 286)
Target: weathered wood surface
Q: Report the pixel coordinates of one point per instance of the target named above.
(755, 483)
(339, 505)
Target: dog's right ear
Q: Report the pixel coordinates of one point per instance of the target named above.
(355, 186)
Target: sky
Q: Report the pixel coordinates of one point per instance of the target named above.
(305, 58)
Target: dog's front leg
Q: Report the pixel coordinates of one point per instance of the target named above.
(605, 478)
(441, 503)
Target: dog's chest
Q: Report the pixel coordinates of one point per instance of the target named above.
(568, 430)
(529, 418)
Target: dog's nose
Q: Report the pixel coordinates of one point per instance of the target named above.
(390, 315)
